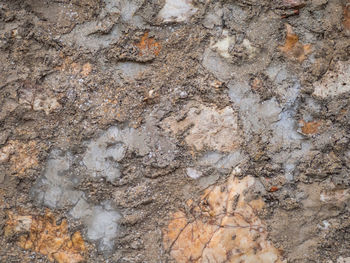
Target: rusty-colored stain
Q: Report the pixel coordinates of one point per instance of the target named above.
(292, 48)
(148, 45)
(21, 156)
(310, 127)
(222, 227)
(273, 189)
(42, 234)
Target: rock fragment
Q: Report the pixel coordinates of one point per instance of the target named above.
(310, 127)
(57, 189)
(46, 104)
(227, 48)
(148, 45)
(193, 173)
(86, 70)
(21, 156)
(7, 106)
(177, 11)
(223, 46)
(334, 82)
(209, 128)
(223, 228)
(44, 235)
(292, 48)
(103, 154)
(101, 221)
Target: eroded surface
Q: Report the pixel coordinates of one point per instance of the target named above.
(174, 131)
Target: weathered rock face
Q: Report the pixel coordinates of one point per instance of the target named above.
(174, 131)
(47, 237)
(222, 227)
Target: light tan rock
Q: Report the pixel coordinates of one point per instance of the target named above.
(209, 128)
(177, 11)
(334, 82)
(223, 45)
(47, 104)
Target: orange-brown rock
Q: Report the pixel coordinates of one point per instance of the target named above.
(148, 45)
(310, 127)
(223, 227)
(292, 48)
(42, 234)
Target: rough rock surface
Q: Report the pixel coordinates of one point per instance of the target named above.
(175, 131)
